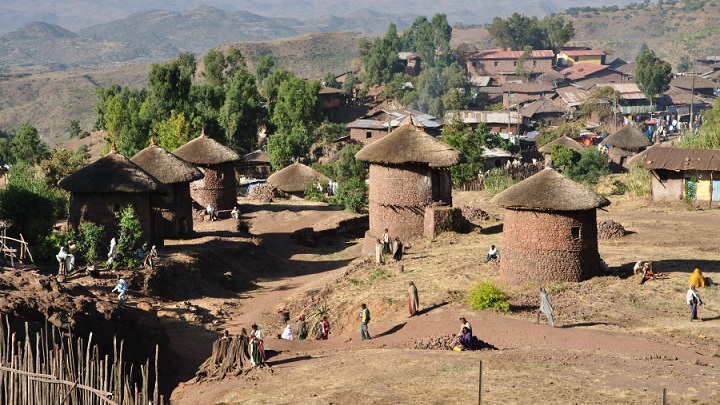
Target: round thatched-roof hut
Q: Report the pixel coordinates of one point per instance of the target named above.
(106, 186)
(549, 230)
(176, 174)
(294, 178)
(564, 140)
(219, 187)
(625, 143)
(408, 173)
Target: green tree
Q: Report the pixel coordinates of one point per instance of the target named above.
(353, 195)
(708, 136)
(74, 130)
(347, 167)
(329, 80)
(472, 144)
(591, 166)
(348, 85)
(263, 68)
(556, 31)
(26, 146)
(601, 102)
(240, 114)
(215, 65)
(297, 106)
(519, 31)
(173, 132)
(283, 148)
(571, 129)
(63, 162)
(652, 74)
(235, 62)
(685, 64)
(380, 58)
(89, 240)
(562, 156)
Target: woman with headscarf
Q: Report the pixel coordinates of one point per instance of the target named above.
(257, 351)
(302, 328)
(545, 307)
(413, 300)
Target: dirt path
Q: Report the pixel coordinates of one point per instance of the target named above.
(621, 366)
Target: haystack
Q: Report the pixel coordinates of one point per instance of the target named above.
(294, 178)
(408, 175)
(104, 187)
(549, 230)
(219, 187)
(176, 174)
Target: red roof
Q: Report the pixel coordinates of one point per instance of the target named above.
(503, 54)
(583, 52)
(582, 70)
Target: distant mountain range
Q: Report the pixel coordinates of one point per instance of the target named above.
(160, 35)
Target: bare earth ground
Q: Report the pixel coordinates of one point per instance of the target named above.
(615, 341)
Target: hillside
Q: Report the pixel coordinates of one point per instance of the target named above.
(50, 100)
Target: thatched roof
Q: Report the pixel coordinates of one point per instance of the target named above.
(205, 151)
(542, 105)
(113, 173)
(564, 141)
(628, 138)
(409, 144)
(165, 166)
(294, 178)
(550, 191)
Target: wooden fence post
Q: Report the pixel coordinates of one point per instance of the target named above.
(480, 384)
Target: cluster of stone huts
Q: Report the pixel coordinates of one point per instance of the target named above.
(161, 186)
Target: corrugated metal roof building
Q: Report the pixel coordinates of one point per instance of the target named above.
(679, 174)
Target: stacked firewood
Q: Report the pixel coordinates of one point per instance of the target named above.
(265, 193)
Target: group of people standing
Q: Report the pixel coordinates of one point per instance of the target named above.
(387, 246)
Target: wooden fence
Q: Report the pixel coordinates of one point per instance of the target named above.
(53, 367)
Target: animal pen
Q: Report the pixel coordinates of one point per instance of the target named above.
(54, 367)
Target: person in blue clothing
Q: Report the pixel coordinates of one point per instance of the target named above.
(121, 288)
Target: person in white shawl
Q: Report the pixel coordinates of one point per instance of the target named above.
(287, 333)
(112, 254)
(545, 307)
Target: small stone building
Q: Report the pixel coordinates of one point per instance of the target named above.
(684, 174)
(293, 179)
(217, 162)
(409, 177)
(549, 230)
(105, 187)
(175, 205)
(546, 150)
(625, 143)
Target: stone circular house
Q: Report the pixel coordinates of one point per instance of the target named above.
(549, 230)
(217, 162)
(409, 172)
(294, 178)
(176, 174)
(625, 143)
(105, 187)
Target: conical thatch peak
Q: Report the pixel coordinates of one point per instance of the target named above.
(550, 191)
(408, 144)
(628, 138)
(294, 178)
(113, 173)
(204, 150)
(165, 166)
(564, 141)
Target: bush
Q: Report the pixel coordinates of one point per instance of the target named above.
(129, 238)
(637, 181)
(561, 156)
(486, 294)
(589, 168)
(89, 240)
(243, 226)
(352, 195)
(497, 181)
(315, 193)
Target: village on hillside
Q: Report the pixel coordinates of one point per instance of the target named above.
(531, 223)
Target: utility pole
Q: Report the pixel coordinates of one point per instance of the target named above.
(692, 92)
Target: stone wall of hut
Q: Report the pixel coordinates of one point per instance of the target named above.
(101, 208)
(366, 136)
(399, 195)
(175, 210)
(218, 187)
(549, 246)
(620, 155)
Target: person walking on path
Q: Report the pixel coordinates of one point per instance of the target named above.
(693, 299)
(413, 300)
(302, 328)
(386, 242)
(379, 256)
(364, 320)
(545, 307)
(324, 328)
(257, 349)
(397, 249)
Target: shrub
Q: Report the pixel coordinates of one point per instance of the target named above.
(497, 181)
(589, 168)
(243, 226)
(561, 156)
(637, 182)
(89, 240)
(352, 195)
(128, 241)
(315, 193)
(486, 295)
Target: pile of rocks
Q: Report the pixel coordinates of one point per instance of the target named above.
(474, 214)
(609, 229)
(264, 193)
(444, 342)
